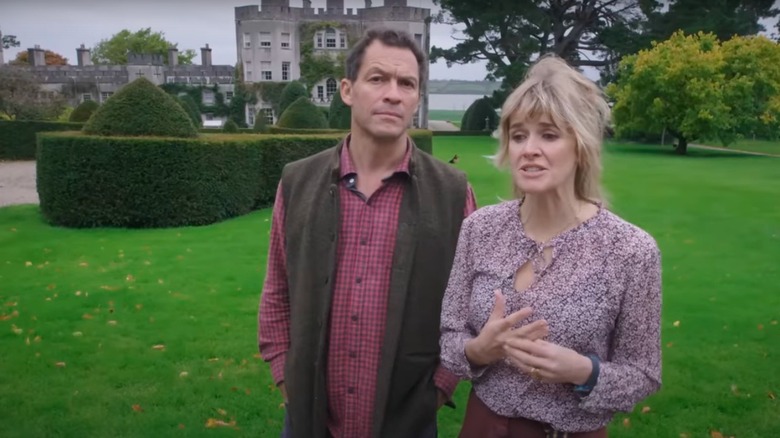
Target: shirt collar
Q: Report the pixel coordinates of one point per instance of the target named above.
(347, 167)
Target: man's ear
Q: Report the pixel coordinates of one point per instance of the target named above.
(346, 91)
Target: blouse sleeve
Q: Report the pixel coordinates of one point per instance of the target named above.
(633, 369)
(455, 327)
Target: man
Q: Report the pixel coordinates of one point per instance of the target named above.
(362, 242)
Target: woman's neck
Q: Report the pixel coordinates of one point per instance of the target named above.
(545, 216)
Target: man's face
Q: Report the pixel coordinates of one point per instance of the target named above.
(386, 92)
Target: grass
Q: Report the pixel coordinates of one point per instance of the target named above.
(448, 115)
(195, 291)
(771, 147)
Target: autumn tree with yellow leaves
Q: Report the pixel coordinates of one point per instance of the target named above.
(695, 87)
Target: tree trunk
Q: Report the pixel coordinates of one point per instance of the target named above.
(682, 146)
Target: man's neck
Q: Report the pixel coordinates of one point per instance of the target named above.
(376, 158)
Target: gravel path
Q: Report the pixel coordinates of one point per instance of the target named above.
(17, 183)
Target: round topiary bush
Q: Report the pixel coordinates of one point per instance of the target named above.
(141, 109)
(83, 111)
(230, 126)
(340, 115)
(261, 124)
(191, 108)
(290, 93)
(302, 114)
(481, 116)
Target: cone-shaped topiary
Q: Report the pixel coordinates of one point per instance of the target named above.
(84, 111)
(481, 116)
(340, 115)
(302, 114)
(141, 109)
(261, 124)
(191, 108)
(290, 93)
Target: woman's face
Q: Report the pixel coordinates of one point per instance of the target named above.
(542, 156)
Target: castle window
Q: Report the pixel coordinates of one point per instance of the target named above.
(330, 38)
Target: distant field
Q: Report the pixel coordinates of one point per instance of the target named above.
(760, 146)
(449, 115)
(463, 87)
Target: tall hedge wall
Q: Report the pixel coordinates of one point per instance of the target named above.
(17, 138)
(138, 182)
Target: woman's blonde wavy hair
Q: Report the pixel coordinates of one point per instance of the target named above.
(573, 103)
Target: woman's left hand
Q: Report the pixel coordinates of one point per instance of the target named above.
(548, 362)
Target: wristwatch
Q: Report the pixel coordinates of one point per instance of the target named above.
(587, 387)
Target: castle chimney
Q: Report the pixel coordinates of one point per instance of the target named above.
(36, 56)
(173, 57)
(205, 56)
(83, 56)
(334, 4)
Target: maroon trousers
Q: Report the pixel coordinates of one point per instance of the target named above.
(481, 422)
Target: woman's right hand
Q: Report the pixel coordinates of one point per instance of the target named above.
(488, 346)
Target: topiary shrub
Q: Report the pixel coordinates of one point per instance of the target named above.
(191, 108)
(230, 126)
(465, 117)
(141, 108)
(17, 137)
(340, 115)
(290, 93)
(302, 114)
(261, 124)
(481, 116)
(83, 111)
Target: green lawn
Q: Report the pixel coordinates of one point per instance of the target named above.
(448, 115)
(100, 301)
(761, 146)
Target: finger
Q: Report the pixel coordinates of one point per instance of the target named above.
(535, 330)
(526, 345)
(524, 360)
(499, 308)
(518, 316)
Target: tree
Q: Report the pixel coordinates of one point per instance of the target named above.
(340, 115)
(51, 58)
(291, 92)
(694, 87)
(21, 97)
(509, 34)
(9, 41)
(261, 124)
(230, 126)
(115, 49)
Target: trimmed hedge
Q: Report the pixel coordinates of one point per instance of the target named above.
(17, 138)
(478, 112)
(140, 182)
(340, 114)
(83, 111)
(291, 92)
(141, 108)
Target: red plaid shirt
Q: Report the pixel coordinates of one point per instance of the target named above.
(359, 310)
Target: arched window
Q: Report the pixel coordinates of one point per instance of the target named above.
(330, 88)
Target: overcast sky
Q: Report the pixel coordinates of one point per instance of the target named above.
(63, 25)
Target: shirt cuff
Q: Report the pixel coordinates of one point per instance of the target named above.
(446, 382)
(277, 368)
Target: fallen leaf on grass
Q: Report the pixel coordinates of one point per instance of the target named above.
(771, 395)
(684, 435)
(77, 334)
(51, 287)
(761, 326)
(247, 391)
(130, 277)
(626, 422)
(257, 356)
(139, 306)
(11, 304)
(715, 434)
(87, 316)
(222, 412)
(734, 389)
(184, 374)
(37, 339)
(213, 359)
(774, 323)
(60, 364)
(676, 323)
(213, 423)
(28, 264)
(281, 405)
(138, 408)
(16, 329)
(109, 288)
(27, 341)
(13, 230)
(646, 409)
(160, 281)
(669, 344)
(78, 293)
(181, 426)
(112, 322)
(158, 347)
(83, 264)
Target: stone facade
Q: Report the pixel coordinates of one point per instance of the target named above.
(86, 81)
(268, 41)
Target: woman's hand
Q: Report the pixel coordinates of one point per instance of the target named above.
(548, 362)
(489, 345)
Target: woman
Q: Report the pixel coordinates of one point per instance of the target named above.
(553, 304)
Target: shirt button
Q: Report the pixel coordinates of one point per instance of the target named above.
(358, 280)
(355, 317)
(351, 390)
